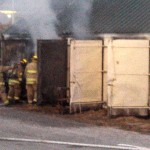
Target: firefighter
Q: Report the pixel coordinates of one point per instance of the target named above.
(14, 84)
(22, 79)
(3, 94)
(31, 80)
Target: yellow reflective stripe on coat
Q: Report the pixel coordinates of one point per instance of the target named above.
(34, 100)
(2, 83)
(31, 71)
(9, 97)
(13, 81)
(20, 79)
(16, 98)
(6, 102)
(31, 80)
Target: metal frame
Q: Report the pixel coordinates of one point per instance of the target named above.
(72, 105)
(149, 78)
(126, 37)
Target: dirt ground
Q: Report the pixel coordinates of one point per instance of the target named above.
(98, 118)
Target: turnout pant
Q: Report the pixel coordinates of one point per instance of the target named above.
(3, 94)
(14, 92)
(31, 93)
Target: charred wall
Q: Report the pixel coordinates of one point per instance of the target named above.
(52, 68)
(12, 51)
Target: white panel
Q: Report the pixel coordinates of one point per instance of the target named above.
(86, 66)
(138, 44)
(131, 58)
(130, 91)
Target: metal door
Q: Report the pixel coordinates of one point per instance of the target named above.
(86, 71)
(52, 68)
(131, 62)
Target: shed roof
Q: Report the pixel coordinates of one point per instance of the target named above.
(19, 30)
(112, 16)
(107, 16)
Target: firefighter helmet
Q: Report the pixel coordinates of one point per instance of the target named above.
(34, 57)
(24, 61)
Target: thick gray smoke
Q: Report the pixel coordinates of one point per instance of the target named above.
(38, 15)
(43, 17)
(81, 18)
(74, 16)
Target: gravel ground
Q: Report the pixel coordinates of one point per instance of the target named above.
(98, 118)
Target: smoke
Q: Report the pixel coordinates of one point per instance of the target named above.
(81, 18)
(74, 16)
(39, 16)
(44, 17)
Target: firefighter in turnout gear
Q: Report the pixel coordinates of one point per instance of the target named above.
(31, 80)
(14, 84)
(22, 79)
(3, 94)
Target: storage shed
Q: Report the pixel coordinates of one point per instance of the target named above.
(111, 72)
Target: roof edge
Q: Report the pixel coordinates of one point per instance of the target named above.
(126, 36)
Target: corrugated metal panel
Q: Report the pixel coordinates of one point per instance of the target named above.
(86, 71)
(52, 68)
(107, 16)
(131, 62)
